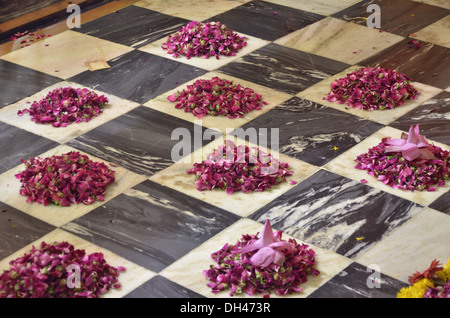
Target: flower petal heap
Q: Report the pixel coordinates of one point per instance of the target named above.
(261, 265)
(46, 273)
(239, 168)
(409, 163)
(434, 282)
(65, 179)
(217, 97)
(412, 145)
(372, 89)
(204, 40)
(66, 105)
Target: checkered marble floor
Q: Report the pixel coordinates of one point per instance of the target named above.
(154, 222)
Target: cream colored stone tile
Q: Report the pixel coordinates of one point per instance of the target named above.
(242, 204)
(345, 166)
(339, 40)
(412, 246)
(319, 91)
(324, 7)
(219, 123)
(131, 278)
(55, 215)
(188, 271)
(114, 108)
(195, 11)
(211, 63)
(436, 33)
(66, 53)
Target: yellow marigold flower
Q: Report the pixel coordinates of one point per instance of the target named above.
(444, 274)
(417, 290)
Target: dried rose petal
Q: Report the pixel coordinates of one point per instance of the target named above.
(239, 168)
(46, 273)
(372, 89)
(204, 40)
(64, 180)
(217, 97)
(66, 105)
(235, 271)
(399, 173)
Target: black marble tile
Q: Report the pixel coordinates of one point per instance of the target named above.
(140, 140)
(402, 17)
(18, 82)
(442, 204)
(310, 132)
(18, 229)
(265, 20)
(138, 76)
(282, 68)
(336, 213)
(161, 287)
(433, 117)
(133, 26)
(152, 225)
(358, 281)
(428, 64)
(17, 144)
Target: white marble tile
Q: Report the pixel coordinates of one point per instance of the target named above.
(436, 33)
(345, 166)
(339, 40)
(131, 278)
(413, 246)
(55, 215)
(220, 123)
(319, 91)
(211, 63)
(115, 107)
(188, 271)
(242, 204)
(198, 10)
(325, 7)
(66, 53)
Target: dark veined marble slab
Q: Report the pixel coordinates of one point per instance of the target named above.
(18, 82)
(138, 76)
(140, 140)
(311, 132)
(17, 144)
(161, 287)
(336, 213)
(358, 281)
(152, 225)
(18, 229)
(402, 17)
(265, 20)
(433, 118)
(282, 68)
(133, 26)
(442, 204)
(428, 64)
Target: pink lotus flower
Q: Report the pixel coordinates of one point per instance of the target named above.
(412, 145)
(204, 40)
(217, 97)
(271, 249)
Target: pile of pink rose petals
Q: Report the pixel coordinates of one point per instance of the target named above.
(66, 105)
(45, 272)
(239, 168)
(70, 178)
(372, 88)
(204, 40)
(217, 97)
(407, 163)
(257, 265)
